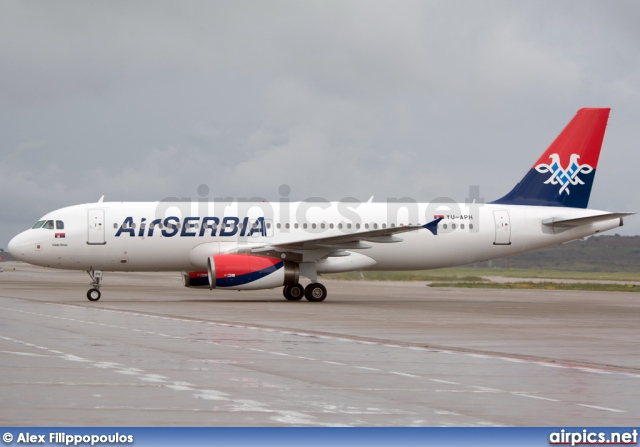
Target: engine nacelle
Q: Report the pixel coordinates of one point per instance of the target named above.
(243, 272)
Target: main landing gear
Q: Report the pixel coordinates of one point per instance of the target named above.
(314, 292)
(94, 294)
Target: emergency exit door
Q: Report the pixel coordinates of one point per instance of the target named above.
(95, 221)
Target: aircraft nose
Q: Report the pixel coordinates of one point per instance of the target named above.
(12, 246)
(17, 246)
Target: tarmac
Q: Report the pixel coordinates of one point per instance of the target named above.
(153, 353)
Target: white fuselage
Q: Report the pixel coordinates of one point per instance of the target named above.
(122, 236)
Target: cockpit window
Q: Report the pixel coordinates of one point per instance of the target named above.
(59, 225)
(48, 225)
(38, 224)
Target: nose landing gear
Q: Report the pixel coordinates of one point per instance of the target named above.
(94, 294)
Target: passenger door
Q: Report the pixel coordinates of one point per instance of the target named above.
(95, 222)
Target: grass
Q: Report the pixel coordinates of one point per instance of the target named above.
(477, 278)
(542, 286)
(419, 275)
(550, 274)
(467, 274)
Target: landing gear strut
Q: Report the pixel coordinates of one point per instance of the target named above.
(94, 294)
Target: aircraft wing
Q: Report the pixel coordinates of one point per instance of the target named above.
(316, 248)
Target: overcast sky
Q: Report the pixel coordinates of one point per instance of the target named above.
(149, 99)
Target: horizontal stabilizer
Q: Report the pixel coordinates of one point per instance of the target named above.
(576, 222)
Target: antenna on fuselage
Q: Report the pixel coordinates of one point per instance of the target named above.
(101, 199)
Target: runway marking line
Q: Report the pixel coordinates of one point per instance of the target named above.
(595, 407)
(535, 397)
(445, 381)
(403, 374)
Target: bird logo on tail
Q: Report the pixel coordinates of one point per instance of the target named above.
(564, 176)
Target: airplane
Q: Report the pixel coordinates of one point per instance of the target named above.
(263, 245)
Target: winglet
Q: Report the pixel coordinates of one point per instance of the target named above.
(433, 226)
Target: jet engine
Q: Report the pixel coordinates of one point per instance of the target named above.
(243, 272)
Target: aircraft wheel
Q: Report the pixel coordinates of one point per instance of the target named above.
(93, 295)
(315, 292)
(293, 292)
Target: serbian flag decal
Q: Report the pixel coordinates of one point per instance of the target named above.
(59, 235)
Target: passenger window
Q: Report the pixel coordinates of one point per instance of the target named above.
(38, 224)
(304, 225)
(115, 225)
(313, 226)
(286, 225)
(340, 226)
(444, 226)
(462, 226)
(453, 226)
(375, 226)
(349, 226)
(471, 226)
(295, 226)
(366, 226)
(331, 226)
(384, 225)
(48, 225)
(357, 226)
(59, 225)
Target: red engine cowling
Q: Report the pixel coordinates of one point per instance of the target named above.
(243, 272)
